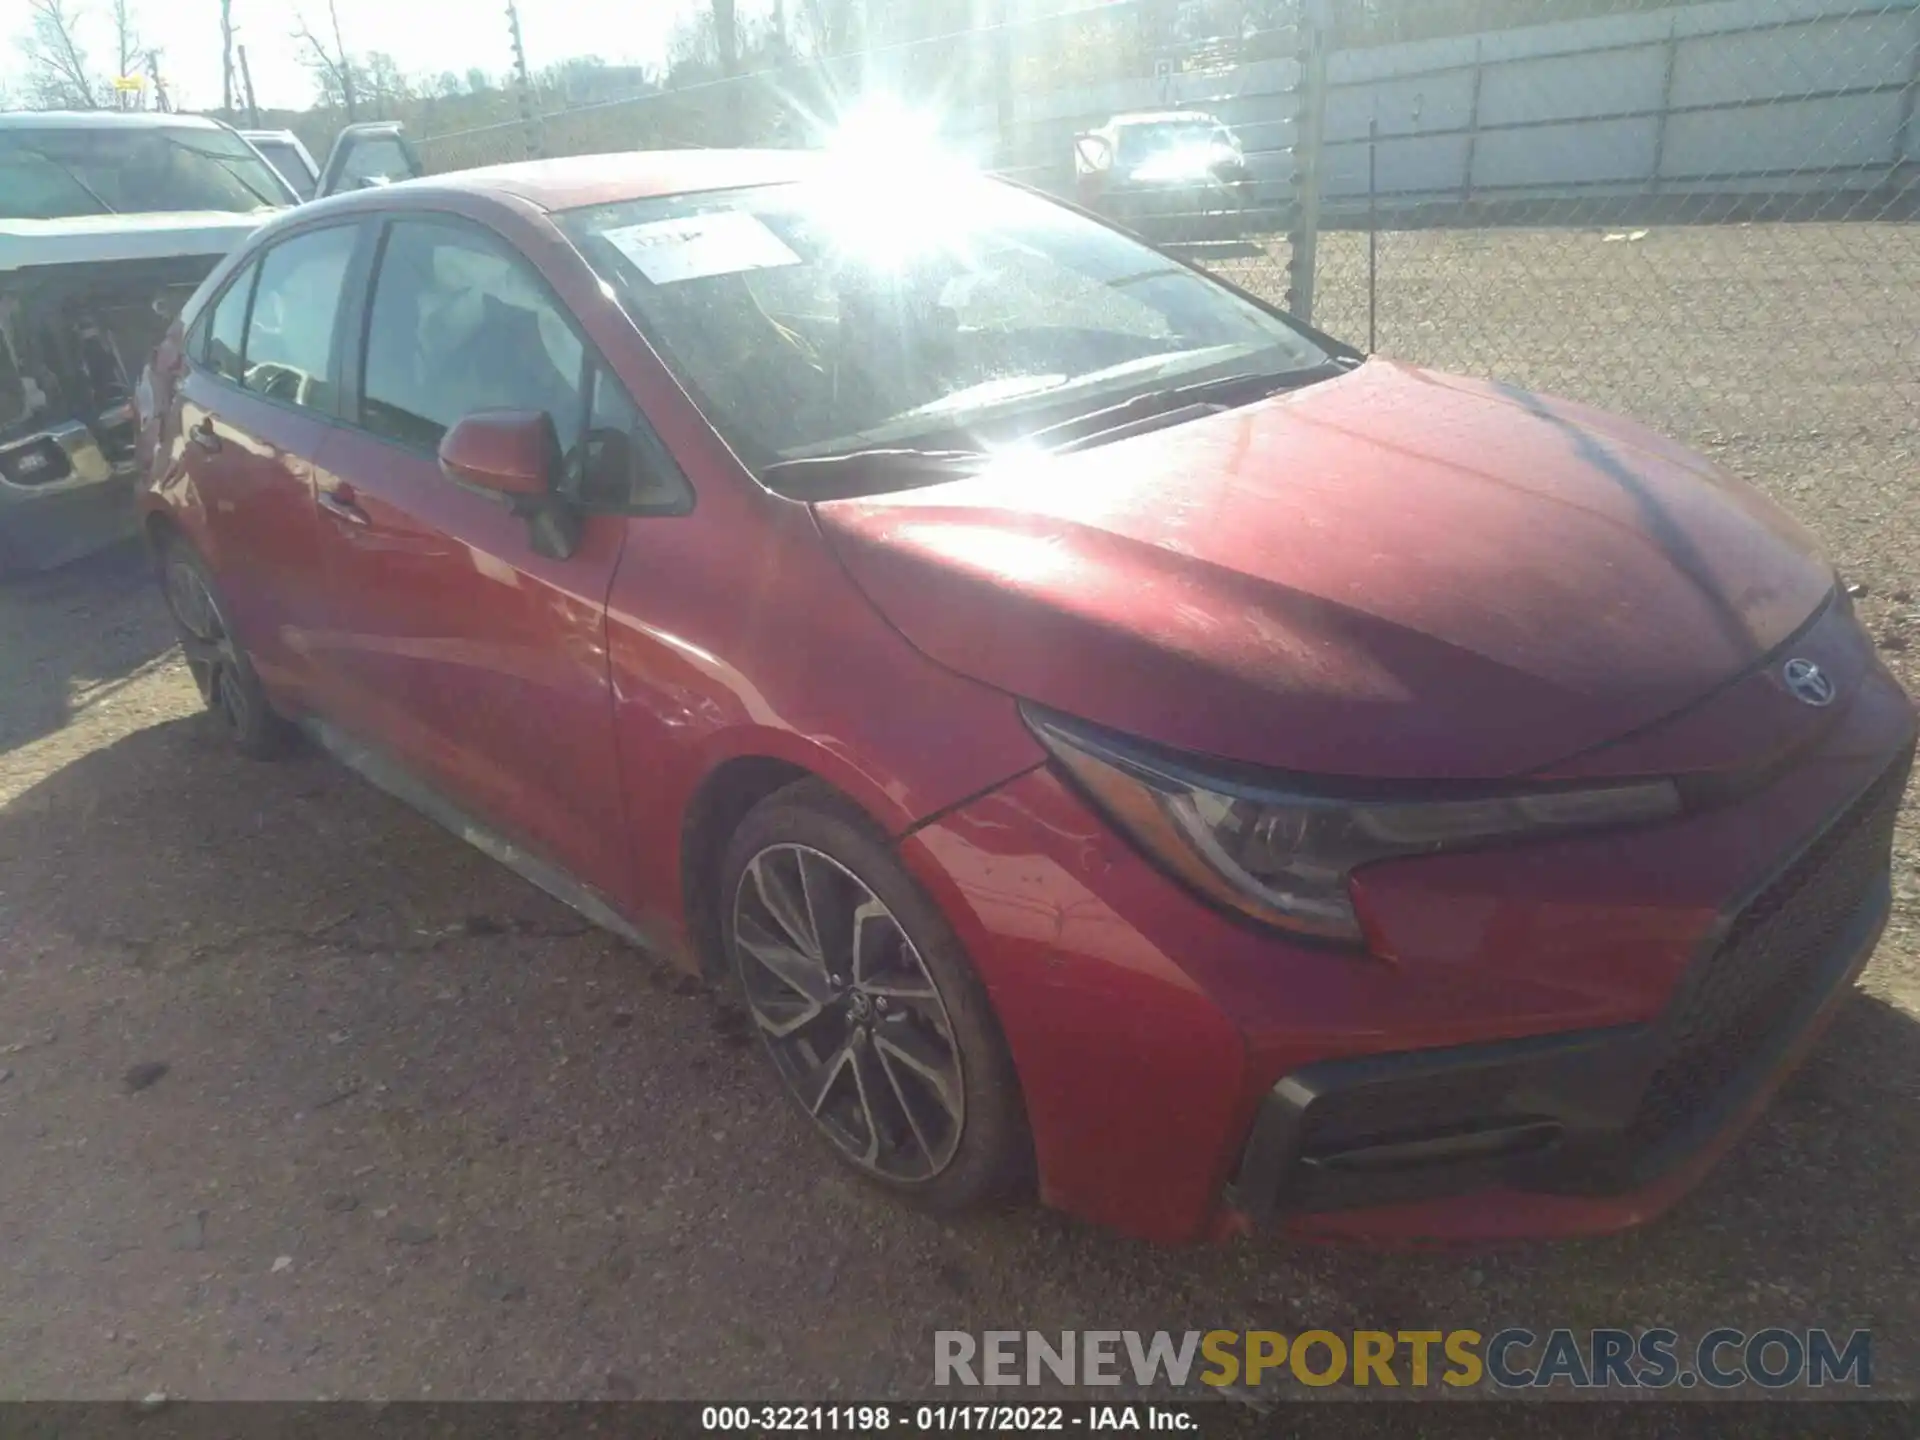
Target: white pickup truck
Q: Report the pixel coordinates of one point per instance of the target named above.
(108, 222)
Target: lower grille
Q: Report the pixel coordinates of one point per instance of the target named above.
(1394, 1110)
(1740, 999)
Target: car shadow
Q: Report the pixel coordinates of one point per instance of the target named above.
(298, 948)
(71, 637)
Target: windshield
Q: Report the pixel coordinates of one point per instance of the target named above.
(54, 174)
(824, 317)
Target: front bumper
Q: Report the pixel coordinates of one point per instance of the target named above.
(1576, 1015)
(1584, 1119)
(61, 497)
(1217, 210)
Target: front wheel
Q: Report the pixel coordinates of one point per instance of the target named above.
(872, 1016)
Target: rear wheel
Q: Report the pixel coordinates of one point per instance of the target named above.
(869, 1010)
(220, 667)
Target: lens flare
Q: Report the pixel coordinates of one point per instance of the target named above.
(896, 192)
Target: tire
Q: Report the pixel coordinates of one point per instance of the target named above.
(862, 1045)
(220, 667)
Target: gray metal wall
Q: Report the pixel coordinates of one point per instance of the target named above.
(1743, 96)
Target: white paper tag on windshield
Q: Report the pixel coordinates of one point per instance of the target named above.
(724, 242)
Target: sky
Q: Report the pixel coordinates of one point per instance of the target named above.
(420, 36)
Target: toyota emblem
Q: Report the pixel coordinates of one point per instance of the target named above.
(1809, 683)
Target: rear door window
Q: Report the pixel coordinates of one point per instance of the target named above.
(290, 350)
(224, 330)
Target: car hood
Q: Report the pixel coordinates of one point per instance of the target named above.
(1392, 574)
(83, 239)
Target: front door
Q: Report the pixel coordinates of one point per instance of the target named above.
(451, 646)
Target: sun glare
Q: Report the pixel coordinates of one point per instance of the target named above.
(881, 129)
(893, 197)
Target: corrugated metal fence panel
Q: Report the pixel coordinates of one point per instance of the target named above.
(1713, 98)
(1785, 61)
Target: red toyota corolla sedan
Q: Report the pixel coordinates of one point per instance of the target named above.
(1110, 737)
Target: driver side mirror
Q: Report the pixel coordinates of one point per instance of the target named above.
(513, 457)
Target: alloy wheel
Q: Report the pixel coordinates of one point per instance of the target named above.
(213, 658)
(849, 1012)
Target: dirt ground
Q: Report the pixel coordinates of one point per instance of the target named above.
(421, 1132)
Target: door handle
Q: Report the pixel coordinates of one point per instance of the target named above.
(204, 435)
(339, 503)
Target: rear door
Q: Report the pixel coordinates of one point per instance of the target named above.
(254, 414)
(453, 647)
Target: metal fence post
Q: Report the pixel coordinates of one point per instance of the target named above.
(1909, 102)
(1309, 145)
(1473, 121)
(1670, 62)
(524, 83)
(1002, 53)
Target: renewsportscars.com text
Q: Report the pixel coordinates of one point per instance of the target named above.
(1513, 1358)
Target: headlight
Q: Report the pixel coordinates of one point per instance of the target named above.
(1284, 858)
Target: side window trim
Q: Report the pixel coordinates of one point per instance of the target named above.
(358, 316)
(356, 309)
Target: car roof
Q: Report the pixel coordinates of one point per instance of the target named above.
(103, 120)
(607, 179)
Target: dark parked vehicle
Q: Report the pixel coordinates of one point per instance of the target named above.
(1171, 175)
(1109, 735)
(108, 222)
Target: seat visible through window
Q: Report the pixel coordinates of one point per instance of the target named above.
(458, 326)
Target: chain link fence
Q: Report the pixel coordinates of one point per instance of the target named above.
(1700, 215)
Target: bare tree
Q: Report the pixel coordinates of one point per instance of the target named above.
(58, 73)
(830, 25)
(726, 34)
(226, 56)
(386, 84)
(128, 50)
(332, 67)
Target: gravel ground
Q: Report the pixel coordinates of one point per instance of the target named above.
(301, 1097)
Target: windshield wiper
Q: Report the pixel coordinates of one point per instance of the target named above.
(868, 472)
(1222, 393)
(221, 161)
(878, 469)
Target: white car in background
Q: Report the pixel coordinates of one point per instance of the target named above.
(108, 222)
